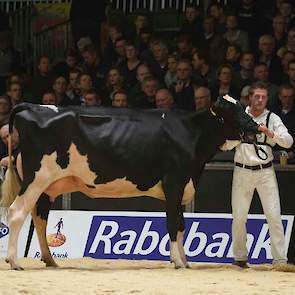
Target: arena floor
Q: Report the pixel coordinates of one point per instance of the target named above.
(90, 276)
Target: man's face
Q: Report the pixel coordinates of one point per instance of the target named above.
(258, 100)
(4, 106)
(60, 85)
(172, 64)
(114, 77)
(190, 14)
(159, 52)
(142, 73)
(120, 48)
(71, 61)
(247, 62)
(4, 133)
(73, 78)
(266, 45)
(150, 88)
(15, 92)
(120, 100)
(261, 73)
(291, 71)
(163, 100)
(85, 82)
(89, 58)
(196, 62)
(49, 98)
(90, 99)
(231, 22)
(286, 97)
(44, 66)
(183, 71)
(202, 98)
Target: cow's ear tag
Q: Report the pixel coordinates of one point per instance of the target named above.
(212, 112)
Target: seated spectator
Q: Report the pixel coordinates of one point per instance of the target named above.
(232, 56)
(261, 73)
(72, 90)
(42, 80)
(4, 134)
(84, 85)
(147, 99)
(202, 97)
(267, 54)
(285, 9)
(128, 68)
(286, 58)
(289, 45)
(143, 71)
(143, 39)
(92, 98)
(224, 83)
(164, 99)
(234, 35)
(71, 62)
(49, 98)
(182, 90)
(285, 109)
(245, 75)
(214, 42)
(114, 82)
(120, 99)
(203, 73)
(184, 47)
(170, 76)
(244, 98)
(279, 31)
(92, 65)
(5, 107)
(60, 86)
(14, 93)
(141, 22)
(291, 73)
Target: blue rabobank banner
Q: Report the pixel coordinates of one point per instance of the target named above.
(131, 235)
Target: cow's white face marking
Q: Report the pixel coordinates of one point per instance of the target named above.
(50, 106)
(163, 116)
(230, 99)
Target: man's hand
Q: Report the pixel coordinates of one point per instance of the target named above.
(266, 131)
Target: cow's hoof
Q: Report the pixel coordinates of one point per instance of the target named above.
(178, 264)
(187, 265)
(49, 262)
(13, 266)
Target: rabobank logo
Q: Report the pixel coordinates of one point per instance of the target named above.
(207, 238)
(4, 230)
(58, 238)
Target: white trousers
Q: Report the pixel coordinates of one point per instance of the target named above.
(244, 183)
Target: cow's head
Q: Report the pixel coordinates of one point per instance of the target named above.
(239, 125)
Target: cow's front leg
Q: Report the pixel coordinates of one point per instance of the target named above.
(40, 216)
(173, 200)
(180, 235)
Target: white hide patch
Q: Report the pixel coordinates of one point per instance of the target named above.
(78, 177)
(229, 145)
(230, 99)
(50, 106)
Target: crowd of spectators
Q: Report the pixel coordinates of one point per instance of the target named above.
(220, 51)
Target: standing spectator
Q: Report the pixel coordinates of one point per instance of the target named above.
(216, 10)
(192, 25)
(170, 76)
(291, 73)
(290, 45)
(286, 58)
(43, 79)
(120, 99)
(164, 99)
(202, 98)
(72, 91)
(285, 9)
(182, 90)
(84, 85)
(234, 35)
(224, 83)
(259, 174)
(267, 55)
(184, 47)
(232, 56)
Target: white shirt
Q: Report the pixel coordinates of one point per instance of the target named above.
(245, 152)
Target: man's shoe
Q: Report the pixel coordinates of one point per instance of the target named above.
(241, 264)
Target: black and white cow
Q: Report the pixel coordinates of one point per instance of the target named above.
(114, 153)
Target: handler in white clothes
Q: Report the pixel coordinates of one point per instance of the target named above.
(254, 169)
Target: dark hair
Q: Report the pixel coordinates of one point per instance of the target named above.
(257, 85)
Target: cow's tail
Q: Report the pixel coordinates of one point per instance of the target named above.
(10, 187)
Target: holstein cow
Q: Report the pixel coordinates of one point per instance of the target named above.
(113, 153)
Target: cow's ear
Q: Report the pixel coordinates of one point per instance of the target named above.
(94, 119)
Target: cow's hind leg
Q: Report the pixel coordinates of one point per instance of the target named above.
(173, 195)
(40, 217)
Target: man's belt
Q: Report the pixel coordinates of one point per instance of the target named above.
(256, 167)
